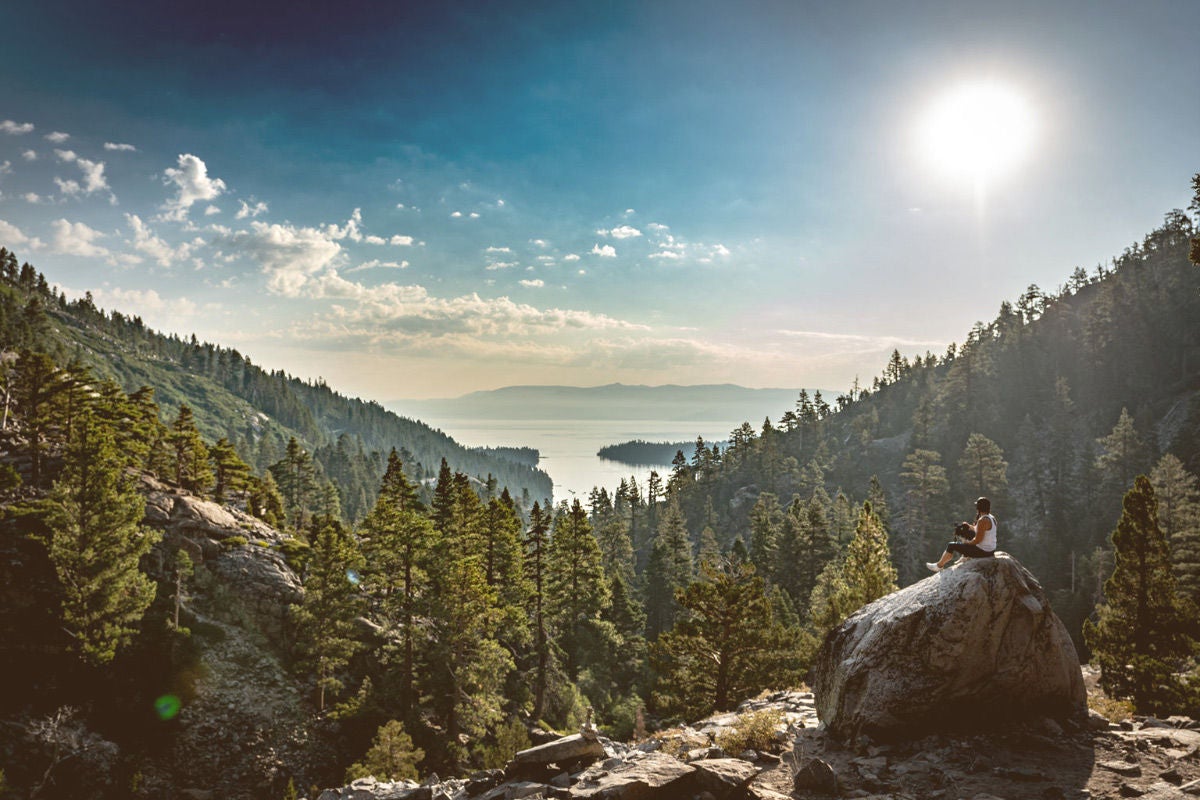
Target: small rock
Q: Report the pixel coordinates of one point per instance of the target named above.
(1191, 787)
(516, 791)
(1122, 768)
(1171, 776)
(817, 776)
(1097, 721)
(1129, 790)
(561, 780)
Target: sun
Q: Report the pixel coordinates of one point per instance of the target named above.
(977, 131)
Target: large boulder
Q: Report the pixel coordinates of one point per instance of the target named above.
(971, 646)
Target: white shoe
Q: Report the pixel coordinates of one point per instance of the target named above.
(932, 566)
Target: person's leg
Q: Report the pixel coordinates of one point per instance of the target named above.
(940, 564)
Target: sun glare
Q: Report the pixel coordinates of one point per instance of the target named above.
(977, 131)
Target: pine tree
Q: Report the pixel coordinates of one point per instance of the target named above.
(192, 470)
(726, 646)
(391, 757)
(231, 475)
(536, 543)
(1179, 518)
(296, 477)
(464, 668)
(576, 587)
(925, 485)
(324, 621)
(863, 575)
(1139, 637)
(504, 567)
(766, 526)
(669, 569)
(396, 541)
(983, 468)
(1123, 451)
(39, 385)
(96, 545)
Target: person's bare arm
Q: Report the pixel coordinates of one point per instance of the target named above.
(981, 527)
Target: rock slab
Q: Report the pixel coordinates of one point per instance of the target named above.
(971, 646)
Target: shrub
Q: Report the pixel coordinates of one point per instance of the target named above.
(391, 756)
(754, 731)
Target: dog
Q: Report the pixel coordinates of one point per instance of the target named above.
(963, 532)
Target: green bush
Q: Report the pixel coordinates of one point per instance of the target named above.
(9, 479)
(391, 756)
(753, 731)
(231, 542)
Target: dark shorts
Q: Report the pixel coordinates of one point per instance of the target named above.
(968, 550)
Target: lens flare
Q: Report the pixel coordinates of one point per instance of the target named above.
(167, 706)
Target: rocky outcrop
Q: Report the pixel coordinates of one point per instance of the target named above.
(241, 577)
(243, 729)
(973, 645)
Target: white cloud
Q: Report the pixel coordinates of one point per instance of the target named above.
(120, 147)
(536, 283)
(474, 215)
(194, 185)
(289, 256)
(12, 235)
(350, 230)
(15, 128)
(629, 211)
(571, 257)
(143, 303)
(658, 227)
(33, 198)
(373, 239)
(76, 239)
(251, 211)
(58, 137)
(669, 254)
(401, 241)
(500, 202)
(93, 175)
(498, 250)
(495, 265)
(608, 251)
(393, 308)
(624, 232)
(456, 215)
(546, 259)
(29, 155)
(67, 187)
(144, 241)
(5, 167)
(539, 242)
(375, 263)
(212, 211)
(720, 250)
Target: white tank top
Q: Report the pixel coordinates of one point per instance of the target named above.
(989, 536)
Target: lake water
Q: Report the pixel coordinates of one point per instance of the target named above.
(568, 447)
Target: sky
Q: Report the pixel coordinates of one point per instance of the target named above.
(414, 200)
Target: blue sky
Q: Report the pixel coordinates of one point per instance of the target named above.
(425, 199)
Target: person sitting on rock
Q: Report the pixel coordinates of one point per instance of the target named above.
(983, 545)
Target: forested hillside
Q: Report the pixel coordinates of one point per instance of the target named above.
(1051, 409)
(230, 397)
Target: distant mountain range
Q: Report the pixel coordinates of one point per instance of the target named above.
(716, 402)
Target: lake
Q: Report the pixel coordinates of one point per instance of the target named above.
(568, 447)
